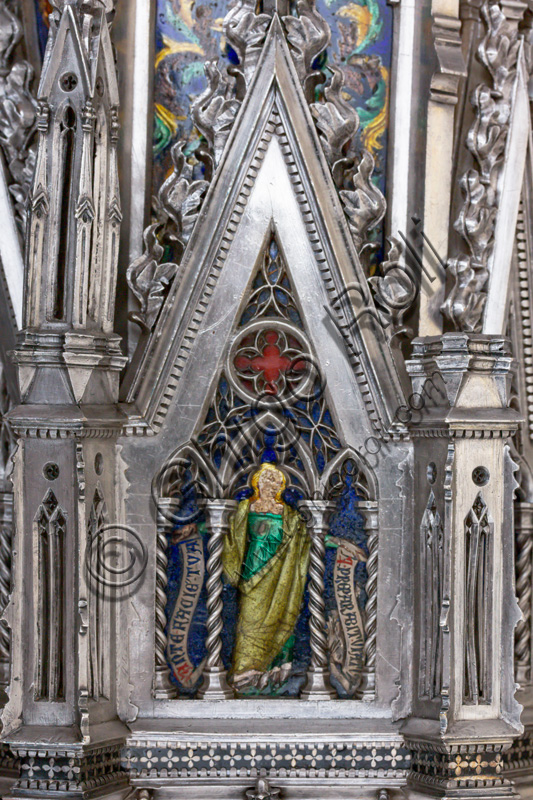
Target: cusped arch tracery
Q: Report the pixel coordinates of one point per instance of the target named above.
(270, 404)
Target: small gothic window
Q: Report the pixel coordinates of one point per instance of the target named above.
(66, 184)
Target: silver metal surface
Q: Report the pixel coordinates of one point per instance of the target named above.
(436, 432)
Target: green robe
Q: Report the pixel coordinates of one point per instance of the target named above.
(266, 556)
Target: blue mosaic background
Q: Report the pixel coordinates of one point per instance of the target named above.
(346, 523)
(42, 9)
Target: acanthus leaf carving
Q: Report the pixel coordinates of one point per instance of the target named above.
(336, 120)
(395, 290)
(498, 51)
(487, 136)
(466, 300)
(352, 166)
(365, 204)
(178, 202)
(309, 35)
(245, 31)
(11, 33)
(475, 222)
(149, 280)
(18, 114)
(176, 207)
(215, 109)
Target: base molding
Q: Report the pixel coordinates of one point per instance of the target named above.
(245, 789)
(84, 772)
(505, 791)
(459, 771)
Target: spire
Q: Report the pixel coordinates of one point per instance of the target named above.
(74, 206)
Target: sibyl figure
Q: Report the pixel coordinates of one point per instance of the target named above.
(266, 556)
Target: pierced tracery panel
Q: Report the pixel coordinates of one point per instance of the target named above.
(271, 294)
(271, 400)
(239, 433)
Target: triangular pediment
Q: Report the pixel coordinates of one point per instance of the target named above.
(272, 175)
(104, 64)
(65, 48)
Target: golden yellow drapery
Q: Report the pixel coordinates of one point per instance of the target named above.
(270, 600)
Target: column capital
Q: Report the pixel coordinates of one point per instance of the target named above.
(369, 511)
(464, 380)
(317, 512)
(216, 508)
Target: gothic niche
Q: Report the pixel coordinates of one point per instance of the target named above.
(99, 601)
(264, 579)
(51, 636)
(432, 572)
(479, 545)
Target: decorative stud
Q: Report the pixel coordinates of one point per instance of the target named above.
(68, 82)
(480, 476)
(51, 471)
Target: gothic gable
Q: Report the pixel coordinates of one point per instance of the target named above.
(272, 175)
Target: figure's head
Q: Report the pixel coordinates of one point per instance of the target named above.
(268, 482)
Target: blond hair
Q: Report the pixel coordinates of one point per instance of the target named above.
(266, 467)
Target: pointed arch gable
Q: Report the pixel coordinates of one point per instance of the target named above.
(202, 358)
(274, 140)
(67, 38)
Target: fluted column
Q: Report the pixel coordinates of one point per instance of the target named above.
(163, 688)
(318, 686)
(524, 576)
(367, 687)
(215, 685)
